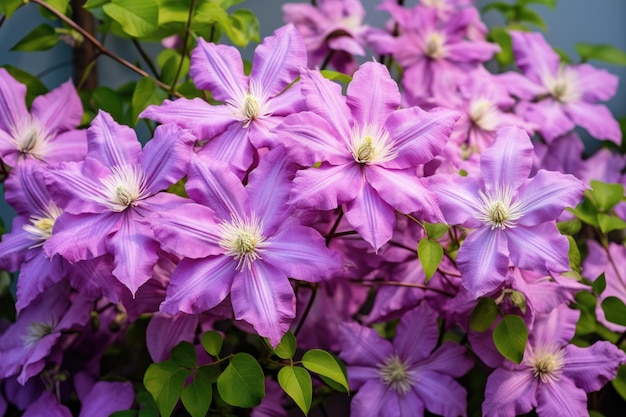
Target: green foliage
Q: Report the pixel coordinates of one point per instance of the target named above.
(605, 195)
(242, 383)
(197, 396)
(436, 231)
(146, 93)
(169, 61)
(165, 380)
(34, 87)
(137, 18)
(601, 52)
(8, 7)
(510, 336)
(484, 314)
(327, 365)
(599, 285)
(619, 383)
(296, 382)
(212, 342)
(287, 346)
(501, 36)
(241, 27)
(430, 254)
(42, 38)
(184, 354)
(614, 310)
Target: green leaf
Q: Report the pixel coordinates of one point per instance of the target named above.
(59, 5)
(296, 382)
(197, 396)
(136, 17)
(586, 303)
(34, 87)
(574, 255)
(484, 314)
(243, 28)
(287, 346)
(586, 212)
(570, 227)
(325, 364)
(165, 380)
(502, 37)
(530, 16)
(510, 336)
(8, 7)
(42, 38)
(146, 93)
(336, 76)
(430, 254)
(92, 4)
(614, 310)
(601, 52)
(549, 3)
(599, 284)
(500, 6)
(608, 223)
(184, 354)
(606, 195)
(436, 230)
(619, 383)
(169, 61)
(147, 406)
(125, 413)
(212, 342)
(109, 100)
(242, 382)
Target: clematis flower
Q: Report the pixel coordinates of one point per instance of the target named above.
(368, 149)
(408, 375)
(554, 376)
(48, 132)
(243, 242)
(107, 198)
(513, 215)
(557, 97)
(252, 105)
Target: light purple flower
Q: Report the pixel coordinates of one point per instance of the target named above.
(513, 215)
(47, 405)
(107, 198)
(554, 376)
(557, 97)
(408, 375)
(48, 132)
(105, 398)
(252, 105)
(368, 149)
(243, 242)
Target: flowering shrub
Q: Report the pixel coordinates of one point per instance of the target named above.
(313, 231)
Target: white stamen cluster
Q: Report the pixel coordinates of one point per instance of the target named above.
(251, 105)
(564, 87)
(434, 47)
(36, 331)
(547, 362)
(31, 139)
(41, 225)
(371, 145)
(124, 186)
(484, 114)
(499, 209)
(396, 374)
(243, 240)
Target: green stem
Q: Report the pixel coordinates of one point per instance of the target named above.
(145, 57)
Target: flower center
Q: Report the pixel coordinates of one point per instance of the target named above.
(498, 209)
(250, 106)
(371, 145)
(37, 331)
(396, 374)
(547, 364)
(124, 186)
(483, 114)
(565, 86)
(243, 240)
(434, 46)
(41, 226)
(31, 139)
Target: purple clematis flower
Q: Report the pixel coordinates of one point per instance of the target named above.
(554, 375)
(243, 242)
(48, 132)
(252, 105)
(558, 97)
(368, 149)
(513, 215)
(107, 198)
(404, 377)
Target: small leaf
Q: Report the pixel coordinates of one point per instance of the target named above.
(502, 37)
(42, 38)
(212, 342)
(619, 383)
(169, 61)
(530, 16)
(599, 284)
(586, 212)
(336, 76)
(136, 17)
(606, 195)
(145, 94)
(601, 52)
(484, 314)
(92, 4)
(109, 100)
(574, 255)
(325, 364)
(242, 382)
(436, 230)
(184, 354)
(608, 223)
(165, 380)
(430, 254)
(197, 396)
(510, 336)
(296, 382)
(243, 28)
(614, 310)
(287, 346)
(549, 3)
(8, 7)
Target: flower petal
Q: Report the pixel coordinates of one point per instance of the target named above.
(441, 394)
(111, 143)
(417, 334)
(458, 199)
(533, 55)
(326, 187)
(561, 399)
(539, 248)
(67, 146)
(508, 161)
(219, 69)
(362, 346)
(105, 398)
(47, 405)
(592, 367)
(165, 331)
(233, 147)
(597, 119)
(375, 399)
(509, 393)
(38, 274)
(549, 117)
(13, 110)
(60, 109)
(372, 95)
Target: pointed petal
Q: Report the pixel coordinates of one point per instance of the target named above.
(592, 367)
(219, 69)
(362, 346)
(372, 94)
(326, 187)
(597, 84)
(375, 399)
(15, 245)
(521, 86)
(165, 331)
(371, 216)
(38, 274)
(417, 334)
(47, 405)
(278, 59)
(539, 248)
(508, 161)
(556, 328)
(203, 119)
(549, 117)
(441, 394)
(483, 261)
(547, 194)
(471, 51)
(561, 399)
(458, 199)
(111, 143)
(263, 297)
(13, 110)
(166, 157)
(68, 146)
(105, 398)
(533, 55)
(214, 185)
(232, 147)
(450, 359)
(418, 135)
(60, 109)
(199, 285)
(509, 393)
(597, 119)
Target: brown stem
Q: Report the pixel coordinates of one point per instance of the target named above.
(401, 284)
(85, 53)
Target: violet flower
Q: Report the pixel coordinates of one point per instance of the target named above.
(554, 376)
(48, 132)
(513, 215)
(408, 375)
